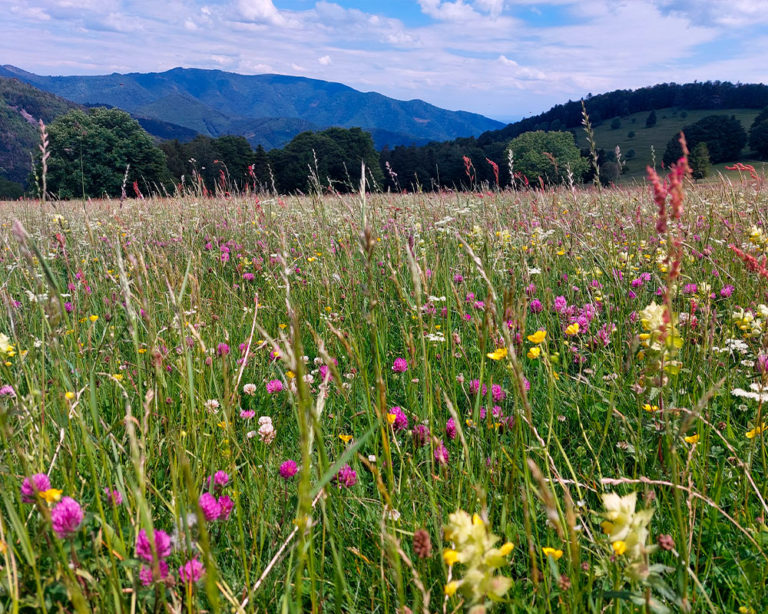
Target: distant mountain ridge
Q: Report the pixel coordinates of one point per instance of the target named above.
(268, 109)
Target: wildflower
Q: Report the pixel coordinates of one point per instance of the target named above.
(572, 329)
(66, 517)
(474, 387)
(534, 352)
(498, 393)
(50, 496)
(249, 389)
(726, 291)
(665, 542)
(247, 414)
(397, 419)
(498, 354)
(346, 477)
(37, 483)
(441, 454)
(692, 439)
(7, 391)
(93, 317)
(400, 365)
(69, 395)
(267, 432)
(619, 547)
(422, 544)
(345, 438)
(538, 337)
(560, 304)
(192, 571)
(536, 306)
(450, 428)
(222, 349)
(5, 344)
(554, 553)
(211, 406)
(420, 434)
(757, 430)
(473, 546)
(147, 576)
(226, 505)
(624, 524)
(210, 507)
(144, 548)
(288, 469)
(220, 479)
(274, 385)
(114, 497)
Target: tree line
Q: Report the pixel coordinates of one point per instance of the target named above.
(104, 152)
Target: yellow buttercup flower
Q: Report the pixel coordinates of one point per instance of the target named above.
(692, 439)
(538, 337)
(450, 557)
(534, 352)
(345, 438)
(451, 588)
(554, 553)
(391, 418)
(573, 329)
(498, 354)
(506, 548)
(756, 431)
(69, 395)
(51, 495)
(619, 547)
(93, 317)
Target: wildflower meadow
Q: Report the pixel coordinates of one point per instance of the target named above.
(492, 401)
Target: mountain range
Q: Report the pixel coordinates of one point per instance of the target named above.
(269, 110)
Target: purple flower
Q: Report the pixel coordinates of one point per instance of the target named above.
(247, 414)
(274, 385)
(450, 428)
(209, 505)
(458, 278)
(69, 307)
(400, 365)
(222, 349)
(7, 391)
(690, 289)
(249, 276)
(530, 289)
(762, 363)
(288, 469)
(560, 304)
(144, 548)
(498, 393)
(147, 577)
(220, 479)
(441, 454)
(346, 477)
(226, 505)
(191, 571)
(37, 483)
(420, 435)
(474, 387)
(114, 498)
(535, 306)
(66, 517)
(400, 422)
(726, 291)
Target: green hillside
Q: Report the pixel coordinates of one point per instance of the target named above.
(637, 150)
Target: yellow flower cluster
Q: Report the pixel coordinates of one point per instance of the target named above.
(473, 546)
(627, 530)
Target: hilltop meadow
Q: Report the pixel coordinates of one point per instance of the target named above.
(491, 401)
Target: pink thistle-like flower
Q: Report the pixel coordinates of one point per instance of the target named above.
(247, 414)
(346, 477)
(498, 393)
(420, 435)
(114, 498)
(288, 469)
(227, 505)
(535, 306)
(144, 548)
(458, 278)
(726, 291)
(474, 387)
(191, 571)
(400, 365)
(401, 420)
(147, 577)
(37, 483)
(7, 391)
(66, 517)
(222, 349)
(450, 428)
(249, 276)
(274, 385)
(210, 507)
(441, 454)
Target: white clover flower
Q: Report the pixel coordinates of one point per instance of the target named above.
(249, 389)
(212, 406)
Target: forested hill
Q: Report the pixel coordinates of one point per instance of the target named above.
(710, 95)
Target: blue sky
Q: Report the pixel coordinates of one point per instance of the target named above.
(502, 58)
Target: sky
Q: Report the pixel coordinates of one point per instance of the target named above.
(503, 58)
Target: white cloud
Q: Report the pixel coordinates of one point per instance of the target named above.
(260, 11)
(325, 60)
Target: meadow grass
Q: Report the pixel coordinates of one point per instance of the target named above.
(152, 345)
